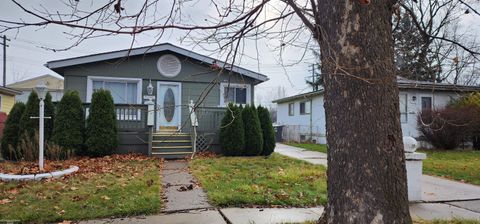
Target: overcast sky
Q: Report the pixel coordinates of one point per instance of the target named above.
(25, 57)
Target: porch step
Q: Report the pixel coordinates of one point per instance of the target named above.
(171, 144)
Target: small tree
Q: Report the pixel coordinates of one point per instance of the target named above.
(11, 132)
(471, 101)
(253, 132)
(49, 110)
(68, 132)
(232, 134)
(27, 124)
(101, 132)
(267, 130)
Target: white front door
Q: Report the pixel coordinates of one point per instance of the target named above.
(168, 105)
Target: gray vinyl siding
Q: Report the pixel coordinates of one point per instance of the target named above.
(194, 76)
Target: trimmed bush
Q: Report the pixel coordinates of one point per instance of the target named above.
(232, 134)
(446, 128)
(267, 130)
(11, 132)
(253, 132)
(69, 126)
(49, 111)
(101, 132)
(27, 124)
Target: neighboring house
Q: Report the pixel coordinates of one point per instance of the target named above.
(7, 98)
(178, 77)
(54, 85)
(303, 115)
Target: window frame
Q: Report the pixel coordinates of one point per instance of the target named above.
(421, 103)
(291, 109)
(406, 108)
(224, 85)
(305, 103)
(91, 79)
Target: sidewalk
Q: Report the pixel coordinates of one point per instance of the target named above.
(442, 198)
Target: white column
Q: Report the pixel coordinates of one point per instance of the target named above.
(41, 134)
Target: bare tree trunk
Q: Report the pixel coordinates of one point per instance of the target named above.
(366, 164)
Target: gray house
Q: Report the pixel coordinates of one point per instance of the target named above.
(179, 77)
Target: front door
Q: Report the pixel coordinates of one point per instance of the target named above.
(168, 105)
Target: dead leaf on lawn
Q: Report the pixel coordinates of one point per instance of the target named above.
(65, 222)
(5, 201)
(61, 212)
(74, 188)
(104, 197)
(149, 182)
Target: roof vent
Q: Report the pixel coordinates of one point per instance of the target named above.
(169, 65)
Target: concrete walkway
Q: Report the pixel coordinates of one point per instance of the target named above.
(180, 188)
(442, 198)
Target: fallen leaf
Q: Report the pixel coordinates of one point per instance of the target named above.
(74, 188)
(104, 197)
(61, 212)
(5, 201)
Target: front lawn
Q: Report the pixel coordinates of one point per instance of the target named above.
(103, 187)
(456, 165)
(310, 146)
(273, 181)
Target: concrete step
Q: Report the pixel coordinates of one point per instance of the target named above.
(172, 147)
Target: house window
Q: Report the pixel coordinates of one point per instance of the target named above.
(124, 91)
(305, 107)
(291, 109)
(234, 93)
(403, 108)
(426, 103)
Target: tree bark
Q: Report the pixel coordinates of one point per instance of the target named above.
(366, 164)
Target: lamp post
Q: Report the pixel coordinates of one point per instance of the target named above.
(41, 90)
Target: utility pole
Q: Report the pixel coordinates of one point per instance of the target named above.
(5, 59)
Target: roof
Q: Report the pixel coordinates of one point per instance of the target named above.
(402, 83)
(299, 96)
(58, 64)
(9, 91)
(52, 82)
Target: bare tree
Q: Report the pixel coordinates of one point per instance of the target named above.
(428, 40)
(366, 173)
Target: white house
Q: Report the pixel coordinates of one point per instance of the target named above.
(303, 115)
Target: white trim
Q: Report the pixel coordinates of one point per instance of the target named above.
(90, 80)
(178, 102)
(236, 85)
(152, 49)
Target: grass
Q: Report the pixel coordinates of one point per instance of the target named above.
(456, 165)
(132, 189)
(310, 146)
(273, 181)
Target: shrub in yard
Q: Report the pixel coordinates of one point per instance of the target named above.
(101, 132)
(253, 132)
(267, 130)
(446, 128)
(232, 134)
(49, 111)
(68, 132)
(11, 132)
(471, 101)
(27, 124)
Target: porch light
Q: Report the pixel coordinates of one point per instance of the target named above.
(414, 98)
(150, 88)
(41, 90)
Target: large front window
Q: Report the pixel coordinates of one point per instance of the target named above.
(123, 90)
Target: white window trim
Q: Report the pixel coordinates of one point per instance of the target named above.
(405, 95)
(90, 80)
(226, 84)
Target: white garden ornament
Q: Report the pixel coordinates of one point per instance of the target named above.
(410, 144)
